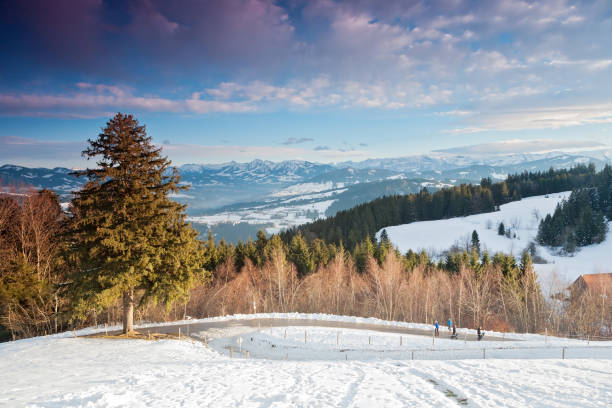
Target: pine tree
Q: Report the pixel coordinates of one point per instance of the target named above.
(526, 263)
(299, 254)
(475, 242)
(384, 237)
(127, 238)
(501, 229)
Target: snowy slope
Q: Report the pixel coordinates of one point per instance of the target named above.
(523, 218)
(61, 371)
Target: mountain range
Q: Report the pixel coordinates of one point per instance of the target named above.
(244, 197)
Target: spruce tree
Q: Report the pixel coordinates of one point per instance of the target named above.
(127, 238)
(299, 254)
(475, 242)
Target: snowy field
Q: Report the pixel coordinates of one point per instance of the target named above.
(523, 218)
(282, 216)
(61, 371)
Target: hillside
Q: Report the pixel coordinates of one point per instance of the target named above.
(522, 218)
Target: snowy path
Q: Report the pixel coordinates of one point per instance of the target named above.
(198, 328)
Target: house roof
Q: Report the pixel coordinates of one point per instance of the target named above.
(594, 280)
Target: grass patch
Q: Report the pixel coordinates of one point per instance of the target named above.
(136, 335)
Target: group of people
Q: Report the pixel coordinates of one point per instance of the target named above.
(453, 329)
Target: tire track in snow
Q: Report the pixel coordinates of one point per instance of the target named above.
(353, 389)
(445, 389)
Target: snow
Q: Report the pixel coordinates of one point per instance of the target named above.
(304, 188)
(62, 371)
(523, 218)
(280, 217)
(314, 196)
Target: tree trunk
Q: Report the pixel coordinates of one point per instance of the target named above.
(55, 311)
(128, 311)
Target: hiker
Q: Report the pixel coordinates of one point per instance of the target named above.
(450, 323)
(437, 331)
(454, 335)
(480, 333)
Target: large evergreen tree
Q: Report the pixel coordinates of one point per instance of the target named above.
(128, 239)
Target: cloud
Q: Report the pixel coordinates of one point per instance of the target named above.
(295, 140)
(89, 33)
(589, 64)
(524, 146)
(195, 153)
(244, 56)
(52, 153)
(96, 100)
(456, 113)
(492, 62)
(38, 153)
(89, 100)
(553, 117)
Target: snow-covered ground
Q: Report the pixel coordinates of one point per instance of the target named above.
(61, 371)
(281, 217)
(304, 188)
(523, 218)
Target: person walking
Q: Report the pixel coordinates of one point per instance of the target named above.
(450, 324)
(480, 333)
(454, 335)
(437, 331)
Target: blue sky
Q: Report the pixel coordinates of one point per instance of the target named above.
(320, 80)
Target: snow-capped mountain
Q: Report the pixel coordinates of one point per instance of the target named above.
(275, 195)
(57, 179)
(443, 161)
(259, 171)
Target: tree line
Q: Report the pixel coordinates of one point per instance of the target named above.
(581, 219)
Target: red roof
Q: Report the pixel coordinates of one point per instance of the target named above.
(595, 280)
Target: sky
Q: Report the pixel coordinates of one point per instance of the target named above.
(318, 80)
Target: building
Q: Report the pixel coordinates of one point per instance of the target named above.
(595, 283)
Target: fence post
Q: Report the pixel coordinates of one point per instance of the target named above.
(105, 329)
(179, 333)
(247, 354)
(400, 340)
(370, 340)
(285, 333)
(337, 338)
(484, 354)
(546, 335)
(412, 357)
(231, 352)
(563, 355)
(304, 336)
